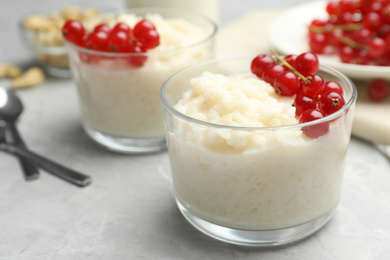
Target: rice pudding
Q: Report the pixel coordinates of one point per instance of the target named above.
(122, 101)
(252, 179)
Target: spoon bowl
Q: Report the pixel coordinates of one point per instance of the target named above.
(10, 105)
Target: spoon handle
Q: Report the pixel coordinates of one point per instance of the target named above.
(29, 168)
(52, 167)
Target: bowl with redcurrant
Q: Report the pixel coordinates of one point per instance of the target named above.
(352, 36)
(119, 60)
(257, 145)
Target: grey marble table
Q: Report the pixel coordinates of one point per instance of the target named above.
(129, 211)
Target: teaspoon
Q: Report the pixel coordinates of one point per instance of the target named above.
(10, 109)
(52, 167)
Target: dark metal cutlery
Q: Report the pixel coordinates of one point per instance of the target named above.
(10, 141)
(52, 167)
(10, 109)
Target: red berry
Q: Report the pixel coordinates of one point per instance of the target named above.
(332, 86)
(316, 130)
(118, 41)
(318, 42)
(271, 73)
(362, 57)
(347, 54)
(303, 103)
(378, 90)
(286, 83)
(98, 41)
(149, 39)
(313, 87)
(73, 31)
(318, 22)
(83, 41)
(383, 31)
(372, 6)
(346, 17)
(122, 27)
(372, 21)
(346, 6)
(330, 102)
(291, 59)
(334, 19)
(332, 7)
(385, 12)
(377, 47)
(136, 60)
(261, 63)
(387, 43)
(307, 63)
(143, 26)
(102, 27)
(334, 39)
(361, 36)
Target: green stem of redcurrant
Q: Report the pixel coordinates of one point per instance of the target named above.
(285, 63)
(352, 43)
(330, 28)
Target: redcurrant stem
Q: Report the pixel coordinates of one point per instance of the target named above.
(285, 63)
(330, 28)
(352, 43)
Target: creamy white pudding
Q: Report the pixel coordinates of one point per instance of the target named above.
(120, 100)
(249, 178)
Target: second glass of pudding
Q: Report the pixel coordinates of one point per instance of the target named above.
(119, 100)
(243, 169)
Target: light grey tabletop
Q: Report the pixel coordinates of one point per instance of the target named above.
(129, 211)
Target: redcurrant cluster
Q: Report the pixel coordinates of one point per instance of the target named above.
(358, 31)
(120, 39)
(295, 75)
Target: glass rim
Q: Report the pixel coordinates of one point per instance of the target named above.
(328, 118)
(145, 10)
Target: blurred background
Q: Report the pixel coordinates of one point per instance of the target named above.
(359, 232)
(14, 50)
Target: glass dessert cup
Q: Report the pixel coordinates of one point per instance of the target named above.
(277, 188)
(120, 106)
